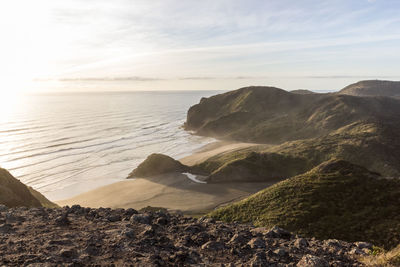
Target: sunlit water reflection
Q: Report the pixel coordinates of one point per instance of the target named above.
(65, 144)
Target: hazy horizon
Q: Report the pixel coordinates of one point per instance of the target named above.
(77, 45)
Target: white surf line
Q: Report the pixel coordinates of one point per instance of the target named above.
(193, 178)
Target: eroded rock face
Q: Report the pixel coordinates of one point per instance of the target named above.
(157, 164)
(79, 236)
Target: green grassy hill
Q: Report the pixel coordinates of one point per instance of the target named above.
(156, 164)
(372, 88)
(367, 144)
(272, 115)
(334, 200)
(372, 145)
(251, 165)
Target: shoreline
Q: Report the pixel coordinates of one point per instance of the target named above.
(213, 149)
(85, 185)
(174, 191)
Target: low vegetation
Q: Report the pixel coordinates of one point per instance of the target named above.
(334, 200)
(372, 88)
(272, 115)
(390, 258)
(251, 166)
(157, 164)
(13, 193)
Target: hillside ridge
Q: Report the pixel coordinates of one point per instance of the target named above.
(336, 199)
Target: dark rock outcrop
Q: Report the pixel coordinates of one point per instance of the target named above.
(90, 238)
(157, 164)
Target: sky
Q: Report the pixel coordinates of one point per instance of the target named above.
(102, 45)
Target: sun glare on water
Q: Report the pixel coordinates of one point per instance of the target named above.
(11, 92)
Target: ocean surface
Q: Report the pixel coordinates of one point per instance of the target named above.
(66, 144)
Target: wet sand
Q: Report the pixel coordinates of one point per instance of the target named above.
(174, 191)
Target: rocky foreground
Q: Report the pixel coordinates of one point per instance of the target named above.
(79, 236)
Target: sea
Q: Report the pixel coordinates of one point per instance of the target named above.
(67, 143)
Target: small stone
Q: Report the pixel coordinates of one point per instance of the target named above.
(67, 253)
(75, 208)
(301, 243)
(312, 261)
(3, 208)
(149, 231)
(257, 243)
(332, 243)
(62, 220)
(259, 260)
(129, 233)
(237, 239)
(362, 245)
(11, 218)
(357, 251)
(92, 249)
(192, 229)
(114, 218)
(281, 252)
(162, 221)
(212, 245)
(277, 232)
(258, 230)
(6, 228)
(130, 212)
(92, 213)
(206, 220)
(140, 218)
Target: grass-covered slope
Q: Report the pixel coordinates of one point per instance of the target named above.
(246, 165)
(384, 259)
(156, 164)
(44, 202)
(13, 193)
(372, 145)
(272, 115)
(367, 144)
(373, 88)
(334, 200)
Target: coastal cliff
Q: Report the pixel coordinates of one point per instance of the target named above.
(310, 127)
(272, 115)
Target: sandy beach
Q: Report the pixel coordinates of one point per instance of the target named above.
(174, 191)
(213, 149)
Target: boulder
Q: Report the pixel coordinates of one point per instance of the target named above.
(312, 261)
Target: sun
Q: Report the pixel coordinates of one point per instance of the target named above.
(13, 86)
(24, 54)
